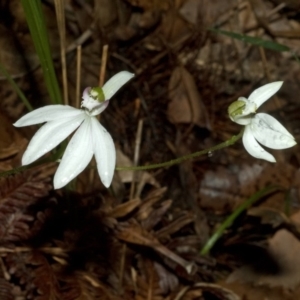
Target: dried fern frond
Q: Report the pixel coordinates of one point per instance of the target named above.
(6, 290)
(17, 194)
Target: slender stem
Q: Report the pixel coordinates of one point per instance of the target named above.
(103, 65)
(78, 75)
(41, 161)
(172, 162)
(231, 218)
(178, 160)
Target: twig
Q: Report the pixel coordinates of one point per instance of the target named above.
(103, 65)
(122, 264)
(136, 155)
(150, 286)
(78, 75)
(4, 270)
(265, 64)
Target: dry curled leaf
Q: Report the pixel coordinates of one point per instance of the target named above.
(17, 194)
(167, 280)
(225, 188)
(190, 11)
(202, 288)
(6, 292)
(283, 248)
(135, 234)
(124, 209)
(149, 5)
(186, 105)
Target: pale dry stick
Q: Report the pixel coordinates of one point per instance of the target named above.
(267, 73)
(136, 155)
(97, 284)
(82, 39)
(280, 155)
(265, 65)
(125, 61)
(134, 279)
(150, 287)
(182, 292)
(268, 16)
(4, 270)
(60, 15)
(236, 47)
(228, 14)
(132, 188)
(48, 250)
(122, 264)
(276, 10)
(243, 5)
(159, 56)
(103, 65)
(78, 75)
(91, 280)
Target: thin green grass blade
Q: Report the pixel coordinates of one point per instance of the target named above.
(253, 40)
(15, 87)
(37, 26)
(53, 158)
(231, 218)
(297, 58)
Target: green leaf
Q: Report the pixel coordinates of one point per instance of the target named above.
(253, 40)
(236, 213)
(37, 26)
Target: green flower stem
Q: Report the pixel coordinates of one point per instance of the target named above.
(39, 162)
(58, 154)
(179, 160)
(231, 218)
(24, 168)
(15, 87)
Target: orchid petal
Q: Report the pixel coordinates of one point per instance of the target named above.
(76, 157)
(262, 94)
(105, 152)
(253, 148)
(99, 108)
(270, 133)
(86, 94)
(48, 113)
(49, 136)
(115, 83)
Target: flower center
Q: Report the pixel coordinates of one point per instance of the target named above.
(97, 94)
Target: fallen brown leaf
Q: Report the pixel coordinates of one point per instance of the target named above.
(186, 105)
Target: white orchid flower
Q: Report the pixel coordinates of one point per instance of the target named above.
(260, 127)
(90, 138)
